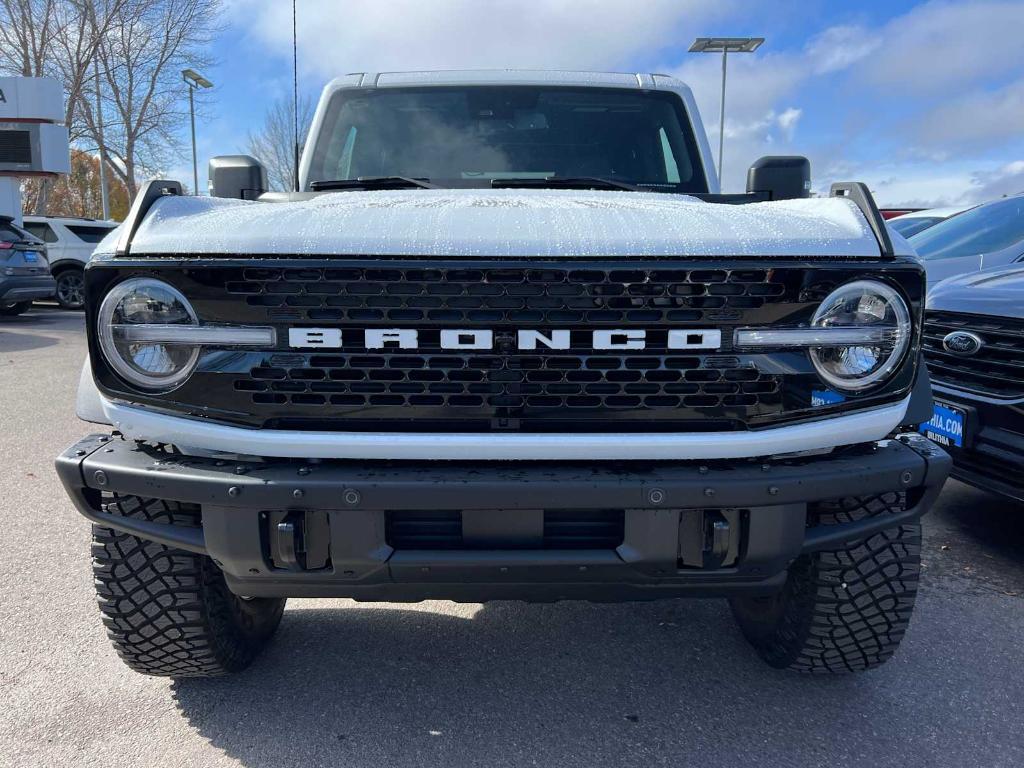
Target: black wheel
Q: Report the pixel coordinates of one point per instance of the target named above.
(843, 610)
(71, 288)
(10, 310)
(169, 612)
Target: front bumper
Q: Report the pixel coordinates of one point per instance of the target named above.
(345, 509)
(993, 455)
(16, 289)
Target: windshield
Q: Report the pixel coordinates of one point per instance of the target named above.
(986, 229)
(467, 136)
(910, 227)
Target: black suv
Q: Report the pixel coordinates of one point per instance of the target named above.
(24, 271)
(974, 345)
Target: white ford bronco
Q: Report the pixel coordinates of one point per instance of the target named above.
(507, 341)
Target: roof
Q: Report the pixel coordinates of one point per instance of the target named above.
(936, 213)
(503, 77)
(72, 219)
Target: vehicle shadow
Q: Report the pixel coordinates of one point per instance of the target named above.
(562, 684)
(22, 342)
(976, 534)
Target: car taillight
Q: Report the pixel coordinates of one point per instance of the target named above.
(4, 246)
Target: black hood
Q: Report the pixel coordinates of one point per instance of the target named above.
(993, 292)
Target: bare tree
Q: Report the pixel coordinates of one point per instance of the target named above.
(274, 143)
(141, 57)
(27, 28)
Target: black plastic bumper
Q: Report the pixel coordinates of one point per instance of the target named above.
(351, 502)
(14, 290)
(992, 457)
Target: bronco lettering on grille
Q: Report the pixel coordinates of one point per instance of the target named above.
(457, 338)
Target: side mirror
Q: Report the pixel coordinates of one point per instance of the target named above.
(782, 177)
(237, 176)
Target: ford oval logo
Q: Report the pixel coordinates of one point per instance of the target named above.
(963, 343)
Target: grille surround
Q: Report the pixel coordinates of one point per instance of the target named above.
(223, 387)
(996, 370)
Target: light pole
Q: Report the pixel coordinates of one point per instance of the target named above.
(104, 194)
(194, 80)
(725, 46)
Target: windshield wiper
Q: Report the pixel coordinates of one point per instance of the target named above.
(373, 182)
(564, 182)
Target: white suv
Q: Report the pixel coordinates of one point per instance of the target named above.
(69, 243)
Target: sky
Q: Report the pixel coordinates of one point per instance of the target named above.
(921, 100)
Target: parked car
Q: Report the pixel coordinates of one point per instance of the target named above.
(974, 345)
(24, 271)
(909, 224)
(69, 243)
(990, 235)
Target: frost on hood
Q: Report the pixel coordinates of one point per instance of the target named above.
(505, 223)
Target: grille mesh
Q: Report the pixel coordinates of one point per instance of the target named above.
(557, 380)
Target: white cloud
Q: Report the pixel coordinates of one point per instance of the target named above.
(382, 35)
(1006, 180)
(839, 47)
(976, 118)
(788, 120)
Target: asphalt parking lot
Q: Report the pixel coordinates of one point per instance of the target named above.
(505, 684)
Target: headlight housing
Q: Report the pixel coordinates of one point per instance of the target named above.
(143, 362)
(880, 315)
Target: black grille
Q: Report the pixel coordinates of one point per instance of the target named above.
(574, 379)
(538, 296)
(996, 369)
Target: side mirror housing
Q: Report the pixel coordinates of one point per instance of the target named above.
(237, 176)
(781, 177)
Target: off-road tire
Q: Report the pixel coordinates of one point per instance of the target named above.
(11, 310)
(169, 612)
(843, 610)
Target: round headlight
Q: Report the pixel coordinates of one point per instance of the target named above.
(876, 309)
(156, 365)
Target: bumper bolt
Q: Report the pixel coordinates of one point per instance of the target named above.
(79, 453)
(234, 490)
(298, 493)
(765, 467)
(303, 470)
(104, 439)
(240, 470)
(656, 496)
(773, 491)
(100, 477)
(709, 491)
(906, 477)
(351, 497)
(703, 470)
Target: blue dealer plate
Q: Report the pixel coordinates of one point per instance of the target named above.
(946, 426)
(30, 256)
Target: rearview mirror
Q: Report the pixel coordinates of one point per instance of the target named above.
(781, 177)
(241, 177)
